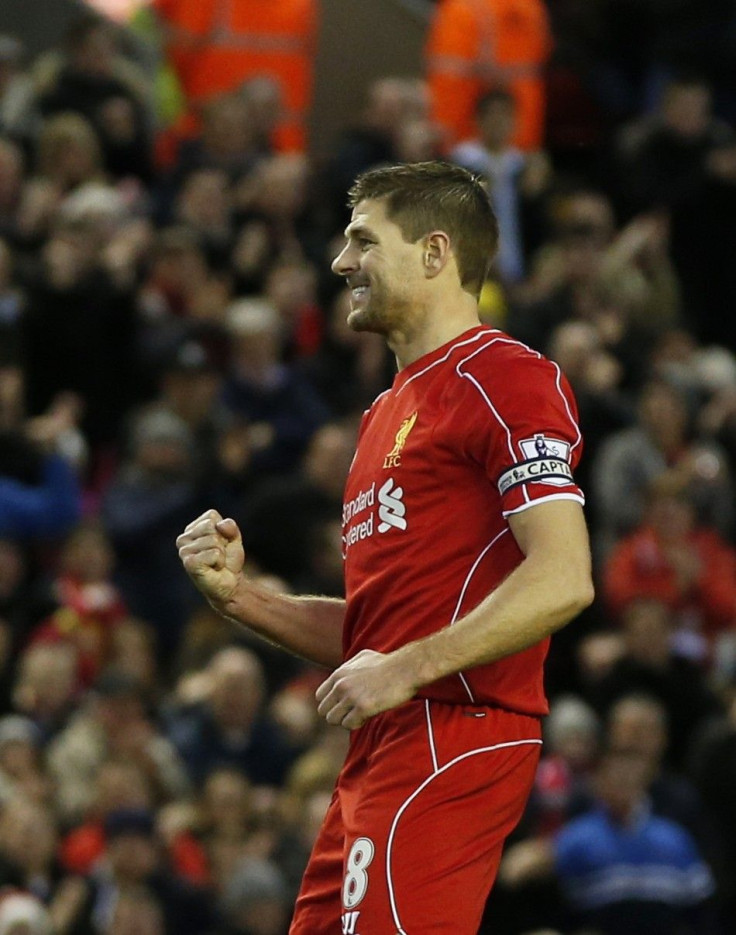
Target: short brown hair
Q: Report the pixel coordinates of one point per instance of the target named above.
(425, 196)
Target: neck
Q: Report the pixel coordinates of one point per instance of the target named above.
(438, 326)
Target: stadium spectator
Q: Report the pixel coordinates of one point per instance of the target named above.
(282, 513)
(650, 666)
(45, 685)
(215, 48)
(689, 568)
(141, 507)
(273, 397)
(40, 493)
(112, 723)
(134, 858)
(228, 726)
(622, 869)
(475, 46)
(92, 78)
(28, 863)
(659, 443)
(514, 177)
(18, 115)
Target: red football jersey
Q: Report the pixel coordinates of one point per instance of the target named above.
(478, 429)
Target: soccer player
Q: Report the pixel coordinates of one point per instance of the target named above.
(465, 549)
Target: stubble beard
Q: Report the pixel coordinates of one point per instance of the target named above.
(369, 317)
(381, 314)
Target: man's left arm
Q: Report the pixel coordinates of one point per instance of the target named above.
(552, 585)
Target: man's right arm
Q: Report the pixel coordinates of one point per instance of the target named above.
(211, 551)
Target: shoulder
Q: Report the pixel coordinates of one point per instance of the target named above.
(469, 153)
(581, 830)
(506, 369)
(575, 844)
(671, 838)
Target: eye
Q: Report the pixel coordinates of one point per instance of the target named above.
(364, 243)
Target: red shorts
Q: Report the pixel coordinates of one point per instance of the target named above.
(413, 836)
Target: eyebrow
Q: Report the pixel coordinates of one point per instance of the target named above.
(358, 229)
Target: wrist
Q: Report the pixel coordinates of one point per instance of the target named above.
(231, 604)
(419, 663)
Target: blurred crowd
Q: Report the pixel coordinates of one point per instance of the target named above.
(172, 339)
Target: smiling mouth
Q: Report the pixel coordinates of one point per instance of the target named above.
(358, 292)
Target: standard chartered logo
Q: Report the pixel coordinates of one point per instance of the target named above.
(391, 510)
(359, 513)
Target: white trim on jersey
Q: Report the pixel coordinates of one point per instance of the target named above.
(420, 788)
(477, 385)
(503, 339)
(440, 360)
(464, 588)
(554, 496)
(430, 735)
(558, 383)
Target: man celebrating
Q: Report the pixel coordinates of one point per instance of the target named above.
(464, 551)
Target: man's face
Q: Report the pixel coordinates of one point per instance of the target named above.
(384, 273)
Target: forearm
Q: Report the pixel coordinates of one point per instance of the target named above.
(310, 627)
(537, 599)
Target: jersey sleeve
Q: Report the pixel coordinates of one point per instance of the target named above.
(523, 427)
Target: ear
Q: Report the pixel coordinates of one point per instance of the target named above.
(436, 253)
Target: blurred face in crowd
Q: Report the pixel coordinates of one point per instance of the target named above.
(416, 140)
(12, 389)
(647, 629)
(328, 457)
(671, 515)
(572, 732)
(68, 150)
(256, 335)
(386, 100)
(120, 785)
(6, 263)
(571, 346)
(663, 414)
(192, 394)
(133, 856)
(28, 835)
(12, 567)
(291, 286)
(227, 802)
(496, 121)
(88, 555)
(585, 226)
(95, 51)
(118, 711)
(133, 651)
(204, 200)
(47, 680)
(136, 913)
(640, 725)
(686, 109)
(280, 186)
(264, 916)
(237, 692)
(11, 175)
(179, 264)
(621, 781)
(228, 132)
(263, 98)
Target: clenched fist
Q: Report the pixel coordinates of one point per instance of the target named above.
(211, 550)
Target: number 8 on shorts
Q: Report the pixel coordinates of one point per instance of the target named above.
(356, 878)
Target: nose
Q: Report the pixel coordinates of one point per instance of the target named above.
(345, 262)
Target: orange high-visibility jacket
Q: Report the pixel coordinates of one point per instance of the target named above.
(216, 45)
(476, 45)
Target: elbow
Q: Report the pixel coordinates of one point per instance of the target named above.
(581, 596)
